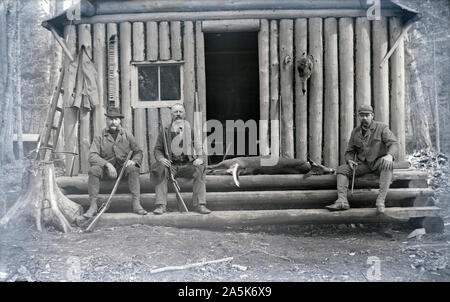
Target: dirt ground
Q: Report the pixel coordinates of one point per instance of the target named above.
(284, 253)
(267, 253)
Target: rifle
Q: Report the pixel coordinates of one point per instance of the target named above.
(108, 202)
(166, 152)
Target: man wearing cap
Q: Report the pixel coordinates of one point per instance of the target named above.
(371, 149)
(107, 156)
(181, 161)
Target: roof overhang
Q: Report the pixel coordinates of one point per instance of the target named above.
(96, 11)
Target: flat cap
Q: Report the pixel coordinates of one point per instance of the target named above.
(365, 109)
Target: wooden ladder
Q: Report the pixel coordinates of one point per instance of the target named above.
(49, 135)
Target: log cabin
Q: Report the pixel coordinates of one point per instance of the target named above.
(240, 59)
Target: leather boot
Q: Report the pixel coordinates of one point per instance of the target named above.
(161, 209)
(135, 189)
(137, 207)
(341, 203)
(92, 208)
(385, 182)
(202, 209)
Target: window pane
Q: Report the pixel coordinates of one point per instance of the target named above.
(170, 83)
(148, 83)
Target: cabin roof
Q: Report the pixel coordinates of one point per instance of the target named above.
(92, 8)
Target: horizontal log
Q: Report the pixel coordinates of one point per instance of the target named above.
(145, 6)
(228, 15)
(224, 219)
(218, 26)
(305, 199)
(222, 183)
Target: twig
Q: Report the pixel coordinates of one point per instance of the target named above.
(188, 266)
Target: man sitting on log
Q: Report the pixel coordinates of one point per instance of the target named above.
(107, 155)
(174, 152)
(372, 148)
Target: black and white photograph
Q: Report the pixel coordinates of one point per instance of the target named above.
(239, 142)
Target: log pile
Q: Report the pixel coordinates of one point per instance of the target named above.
(270, 199)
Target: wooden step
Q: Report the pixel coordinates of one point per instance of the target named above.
(224, 183)
(294, 199)
(224, 219)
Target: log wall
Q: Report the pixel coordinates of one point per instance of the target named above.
(317, 124)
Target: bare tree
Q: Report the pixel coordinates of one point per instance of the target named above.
(8, 91)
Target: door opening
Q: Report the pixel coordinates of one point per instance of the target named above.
(232, 84)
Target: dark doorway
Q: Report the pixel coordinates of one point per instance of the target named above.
(232, 82)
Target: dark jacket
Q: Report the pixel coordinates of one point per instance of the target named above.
(188, 153)
(104, 149)
(377, 142)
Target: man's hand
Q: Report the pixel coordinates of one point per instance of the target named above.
(353, 164)
(165, 162)
(387, 162)
(198, 162)
(112, 172)
(130, 163)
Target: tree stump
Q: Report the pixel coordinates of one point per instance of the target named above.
(42, 200)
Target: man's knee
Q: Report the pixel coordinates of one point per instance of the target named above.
(96, 171)
(132, 170)
(344, 170)
(158, 172)
(199, 171)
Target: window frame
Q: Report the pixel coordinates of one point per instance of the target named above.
(136, 102)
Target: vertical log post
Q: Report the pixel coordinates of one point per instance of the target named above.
(164, 41)
(139, 121)
(189, 70)
(100, 65)
(84, 33)
(70, 120)
(152, 113)
(397, 67)
(264, 93)
(200, 64)
(346, 74)
(362, 62)
(125, 74)
(274, 83)
(331, 97)
(316, 90)
(301, 100)
(380, 75)
(287, 91)
(175, 40)
(164, 55)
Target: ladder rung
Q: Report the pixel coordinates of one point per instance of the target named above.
(59, 109)
(54, 128)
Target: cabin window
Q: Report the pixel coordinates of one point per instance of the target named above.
(157, 84)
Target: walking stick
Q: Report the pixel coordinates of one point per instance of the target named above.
(106, 205)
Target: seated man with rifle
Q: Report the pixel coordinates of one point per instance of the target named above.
(107, 156)
(174, 157)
